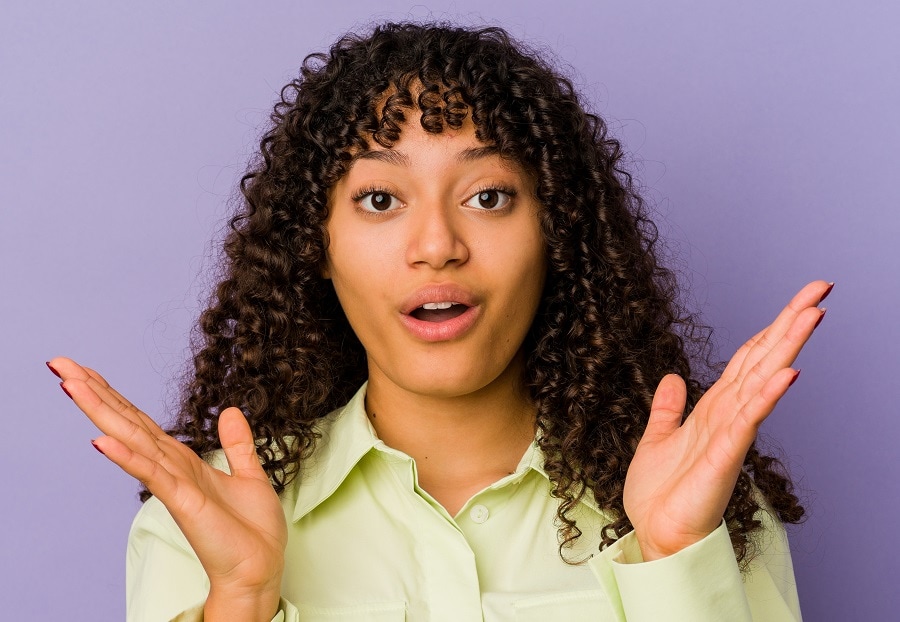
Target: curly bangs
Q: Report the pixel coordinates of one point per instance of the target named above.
(366, 86)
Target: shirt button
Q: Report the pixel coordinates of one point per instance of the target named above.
(479, 514)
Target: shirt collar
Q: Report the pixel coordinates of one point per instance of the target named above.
(534, 459)
(347, 435)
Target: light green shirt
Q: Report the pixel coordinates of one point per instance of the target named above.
(366, 543)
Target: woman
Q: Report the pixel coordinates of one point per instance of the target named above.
(448, 376)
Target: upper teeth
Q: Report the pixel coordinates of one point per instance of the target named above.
(437, 305)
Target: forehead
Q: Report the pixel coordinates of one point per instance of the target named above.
(414, 146)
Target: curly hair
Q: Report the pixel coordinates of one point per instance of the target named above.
(275, 340)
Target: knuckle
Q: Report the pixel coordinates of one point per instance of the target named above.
(765, 341)
(758, 373)
(131, 432)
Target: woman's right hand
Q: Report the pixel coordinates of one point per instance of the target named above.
(234, 523)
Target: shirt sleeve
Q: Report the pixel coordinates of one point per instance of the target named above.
(703, 581)
(164, 580)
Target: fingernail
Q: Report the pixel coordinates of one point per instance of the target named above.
(97, 447)
(794, 379)
(63, 387)
(821, 317)
(50, 367)
(827, 291)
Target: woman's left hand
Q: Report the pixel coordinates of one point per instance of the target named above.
(683, 475)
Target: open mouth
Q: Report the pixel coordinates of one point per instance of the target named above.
(438, 311)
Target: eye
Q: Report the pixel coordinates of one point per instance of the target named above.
(377, 201)
(490, 199)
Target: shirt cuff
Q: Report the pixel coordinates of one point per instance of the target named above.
(286, 613)
(701, 582)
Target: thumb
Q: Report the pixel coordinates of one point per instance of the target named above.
(237, 442)
(667, 407)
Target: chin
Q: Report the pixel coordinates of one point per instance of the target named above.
(443, 385)
(451, 379)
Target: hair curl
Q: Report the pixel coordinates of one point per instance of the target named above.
(275, 340)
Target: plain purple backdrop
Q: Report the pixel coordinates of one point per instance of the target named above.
(765, 135)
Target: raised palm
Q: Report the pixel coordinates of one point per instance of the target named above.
(682, 475)
(234, 522)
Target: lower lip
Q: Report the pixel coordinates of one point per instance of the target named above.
(441, 331)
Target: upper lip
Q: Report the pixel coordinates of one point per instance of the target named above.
(445, 292)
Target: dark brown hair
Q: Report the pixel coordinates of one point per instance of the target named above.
(276, 342)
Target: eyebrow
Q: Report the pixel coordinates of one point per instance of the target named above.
(476, 153)
(398, 158)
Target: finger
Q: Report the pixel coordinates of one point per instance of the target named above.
(68, 370)
(782, 354)
(125, 404)
(114, 400)
(103, 383)
(111, 422)
(237, 443)
(809, 296)
(731, 370)
(753, 413)
(667, 407)
(149, 472)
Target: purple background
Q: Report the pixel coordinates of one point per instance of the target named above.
(764, 133)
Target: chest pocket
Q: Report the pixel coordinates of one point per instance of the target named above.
(580, 606)
(369, 612)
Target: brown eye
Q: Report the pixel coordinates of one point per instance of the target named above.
(489, 199)
(378, 202)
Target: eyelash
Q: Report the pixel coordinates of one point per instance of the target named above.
(370, 190)
(508, 191)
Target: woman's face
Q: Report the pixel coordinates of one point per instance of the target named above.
(437, 258)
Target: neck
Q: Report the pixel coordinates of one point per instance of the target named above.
(461, 443)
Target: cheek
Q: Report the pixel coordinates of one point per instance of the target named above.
(343, 270)
(525, 281)
(356, 247)
(343, 254)
(533, 259)
(360, 276)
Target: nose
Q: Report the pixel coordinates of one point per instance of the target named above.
(436, 236)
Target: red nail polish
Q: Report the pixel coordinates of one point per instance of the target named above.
(794, 379)
(50, 367)
(63, 387)
(821, 317)
(827, 291)
(97, 447)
